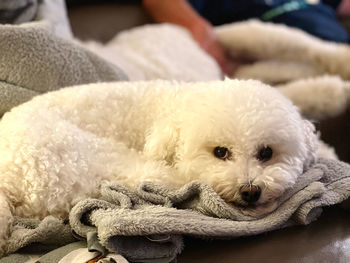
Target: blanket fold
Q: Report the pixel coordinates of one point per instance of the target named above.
(197, 210)
(35, 61)
(48, 234)
(18, 11)
(148, 223)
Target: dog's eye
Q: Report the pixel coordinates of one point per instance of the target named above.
(264, 154)
(221, 153)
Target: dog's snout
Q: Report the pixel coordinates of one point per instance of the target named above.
(250, 193)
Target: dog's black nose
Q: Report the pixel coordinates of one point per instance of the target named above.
(250, 193)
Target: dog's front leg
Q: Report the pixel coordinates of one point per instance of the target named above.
(134, 168)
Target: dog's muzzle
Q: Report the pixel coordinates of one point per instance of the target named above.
(250, 193)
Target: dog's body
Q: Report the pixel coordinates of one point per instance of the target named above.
(58, 148)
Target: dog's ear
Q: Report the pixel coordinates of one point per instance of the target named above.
(310, 137)
(162, 141)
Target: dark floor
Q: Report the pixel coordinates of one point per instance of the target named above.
(336, 132)
(314, 243)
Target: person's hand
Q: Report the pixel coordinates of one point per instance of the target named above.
(181, 13)
(204, 34)
(344, 8)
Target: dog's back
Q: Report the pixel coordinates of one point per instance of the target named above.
(57, 148)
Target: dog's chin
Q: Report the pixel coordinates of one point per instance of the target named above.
(258, 210)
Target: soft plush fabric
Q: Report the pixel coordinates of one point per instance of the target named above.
(148, 223)
(175, 56)
(18, 11)
(76, 252)
(279, 54)
(35, 60)
(266, 41)
(294, 67)
(317, 18)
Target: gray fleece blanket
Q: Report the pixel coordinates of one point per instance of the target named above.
(35, 60)
(148, 224)
(18, 11)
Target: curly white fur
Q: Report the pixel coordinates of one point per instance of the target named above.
(57, 148)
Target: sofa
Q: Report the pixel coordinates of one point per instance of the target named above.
(325, 240)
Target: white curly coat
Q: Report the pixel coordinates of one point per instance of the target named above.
(57, 148)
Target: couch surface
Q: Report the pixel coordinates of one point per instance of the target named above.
(326, 240)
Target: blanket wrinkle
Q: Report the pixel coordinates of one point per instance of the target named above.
(337, 188)
(151, 213)
(149, 222)
(162, 220)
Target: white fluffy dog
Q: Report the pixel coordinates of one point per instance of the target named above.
(243, 138)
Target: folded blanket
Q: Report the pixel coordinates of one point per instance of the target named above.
(18, 11)
(148, 223)
(34, 60)
(53, 12)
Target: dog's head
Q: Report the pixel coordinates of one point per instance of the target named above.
(243, 138)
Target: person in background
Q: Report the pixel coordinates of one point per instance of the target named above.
(343, 9)
(316, 17)
(180, 12)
